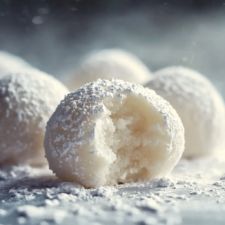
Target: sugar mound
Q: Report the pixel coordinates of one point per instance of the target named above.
(110, 63)
(199, 105)
(108, 132)
(26, 102)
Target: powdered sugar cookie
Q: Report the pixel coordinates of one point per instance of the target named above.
(199, 106)
(108, 132)
(26, 102)
(107, 64)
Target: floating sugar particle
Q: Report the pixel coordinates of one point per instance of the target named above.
(37, 20)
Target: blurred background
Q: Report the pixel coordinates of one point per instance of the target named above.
(55, 35)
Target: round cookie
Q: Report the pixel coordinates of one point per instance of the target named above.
(199, 105)
(11, 63)
(108, 64)
(112, 131)
(27, 100)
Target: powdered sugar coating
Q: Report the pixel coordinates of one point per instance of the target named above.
(199, 105)
(108, 64)
(84, 142)
(11, 63)
(26, 102)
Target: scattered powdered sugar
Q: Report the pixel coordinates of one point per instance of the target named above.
(103, 192)
(36, 196)
(37, 213)
(150, 205)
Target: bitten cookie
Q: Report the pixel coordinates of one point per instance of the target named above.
(109, 132)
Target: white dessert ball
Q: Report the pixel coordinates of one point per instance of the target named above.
(199, 105)
(27, 100)
(108, 64)
(112, 131)
(11, 63)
